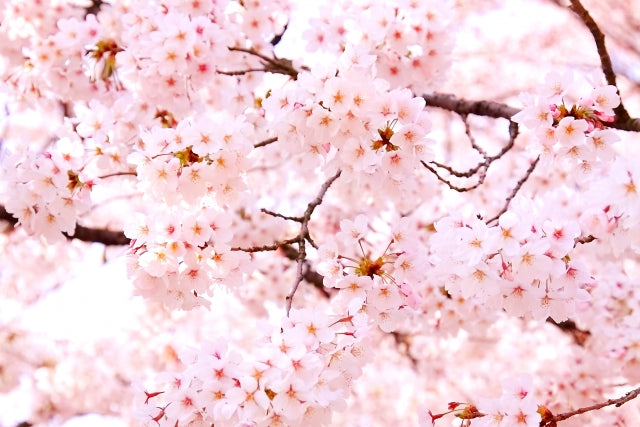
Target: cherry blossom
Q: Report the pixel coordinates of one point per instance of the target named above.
(353, 213)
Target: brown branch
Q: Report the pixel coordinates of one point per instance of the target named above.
(585, 239)
(461, 106)
(278, 37)
(272, 65)
(266, 248)
(265, 142)
(93, 8)
(403, 341)
(279, 215)
(6, 216)
(110, 175)
(99, 235)
(605, 60)
(482, 167)
(515, 190)
(242, 72)
(310, 276)
(499, 110)
(630, 125)
(579, 336)
(617, 402)
(85, 234)
(449, 183)
(304, 236)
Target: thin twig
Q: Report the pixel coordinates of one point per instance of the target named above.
(467, 131)
(271, 65)
(449, 183)
(617, 402)
(515, 190)
(242, 72)
(250, 52)
(110, 175)
(466, 174)
(279, 215)
(482, 167)
(265, 142)
(267, 248)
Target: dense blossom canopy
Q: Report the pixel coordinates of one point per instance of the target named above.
(313, 230)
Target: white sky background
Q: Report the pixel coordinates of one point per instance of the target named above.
(96, 303)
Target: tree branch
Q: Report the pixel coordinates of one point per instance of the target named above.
(304, 236)
(85, 234)
(265, 142)
(605, 60)
(499, 110)
(461, 106)
(278, 37)
(310, 276)
(271, 65)
(242, 72)
(93, 8)
(515, 190)
(617, 402)
(579, 336)
(482, 167)
(449, 183)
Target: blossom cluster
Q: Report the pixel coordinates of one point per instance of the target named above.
(348, 119)
(48, 190)
(160, 123)
(380, 286)
(299, 376)
(410, 40)
(570, 127)
(522, 265)
(516, 406)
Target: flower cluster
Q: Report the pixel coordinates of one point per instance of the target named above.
(379, 286)
(177, 255)
(411, 40)
(49, 190)
(572, 130)
(167, 125)
(522, 265)
(516, 406)
(350, 120)
(299, 376)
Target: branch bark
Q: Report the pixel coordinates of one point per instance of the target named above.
(85, 234)
(464, 107)
(605, 60)
(499, 110)
(617, 402)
